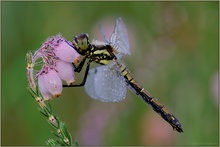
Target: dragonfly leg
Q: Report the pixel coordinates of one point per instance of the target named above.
(79, 67)
(84, 79)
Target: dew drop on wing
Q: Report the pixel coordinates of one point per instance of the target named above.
(89, 85)
(106, 84)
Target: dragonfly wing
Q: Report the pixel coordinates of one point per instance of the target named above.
(106, 84)
(119, 38)
(90, 82)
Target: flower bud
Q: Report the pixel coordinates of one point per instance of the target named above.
(53, 83)
(65, 71)
(66, 52)
(42, 87)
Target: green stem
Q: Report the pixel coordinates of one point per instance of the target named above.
(61, 132)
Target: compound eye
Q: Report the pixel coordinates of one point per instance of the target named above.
(82, 41)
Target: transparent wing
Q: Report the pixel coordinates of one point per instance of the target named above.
(89, 85)
(119, 38)
(105, 84)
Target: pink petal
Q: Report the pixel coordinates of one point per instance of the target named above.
(53, 83)
(65, 52)
(42, 87)
(65, 71)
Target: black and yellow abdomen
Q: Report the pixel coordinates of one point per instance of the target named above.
(149, 99)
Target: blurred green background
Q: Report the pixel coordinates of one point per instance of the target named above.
(174, 49)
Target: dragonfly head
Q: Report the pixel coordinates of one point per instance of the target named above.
(81, 42)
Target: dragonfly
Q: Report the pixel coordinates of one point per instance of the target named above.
(109, 82)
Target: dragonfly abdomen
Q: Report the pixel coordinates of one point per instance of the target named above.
(149, 99)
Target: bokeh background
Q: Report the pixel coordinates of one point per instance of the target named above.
(175, 54)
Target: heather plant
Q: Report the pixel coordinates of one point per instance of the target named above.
(56, 56)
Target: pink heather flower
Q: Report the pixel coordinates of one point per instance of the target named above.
(42, 87)
(57, 54)
(65, 71)
(66, 52)
(53, 83)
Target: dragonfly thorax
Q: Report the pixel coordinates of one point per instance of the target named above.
(100, 54)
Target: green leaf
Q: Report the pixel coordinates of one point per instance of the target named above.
(52, 125)
(32, 92)
(52, 142)
(58, 121)
(37, 91)
(63, 129)
(49, 108)
(46, 110)
(56, 134)
(70, 138)
(43, 112)
(62, 142)
(76, 143)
